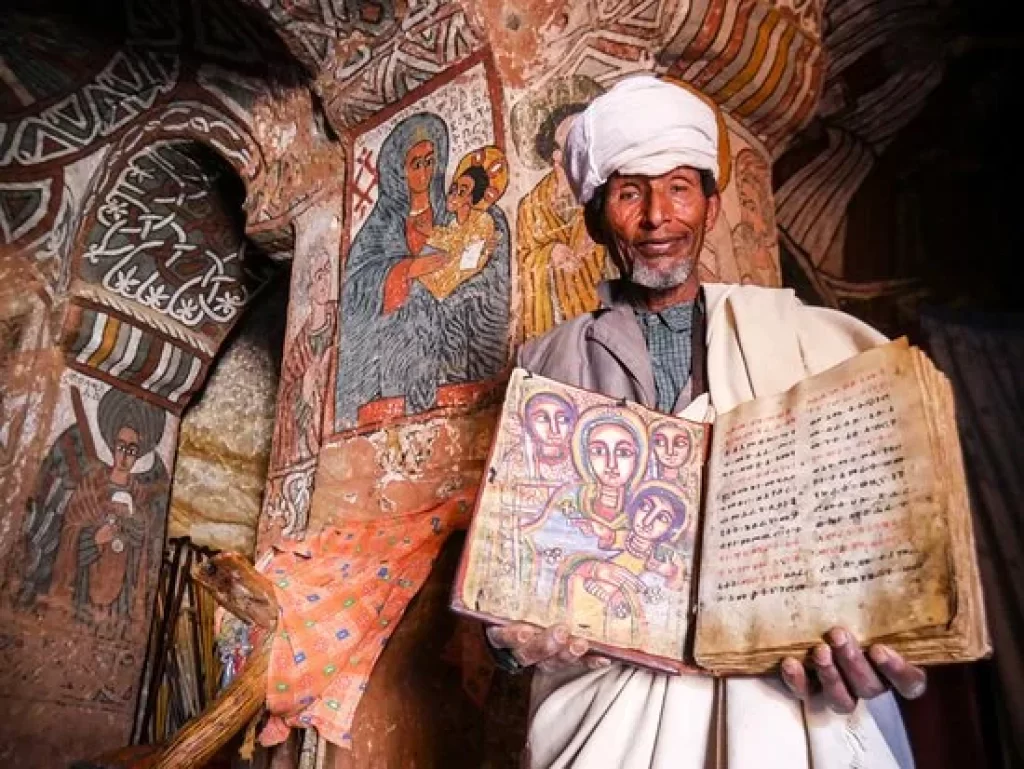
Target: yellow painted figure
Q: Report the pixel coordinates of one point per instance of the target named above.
(470, 238)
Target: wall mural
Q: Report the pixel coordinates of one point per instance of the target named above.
(304, 388)
(424, 308)
(79, 585)
(90, 544)
(109, 214)
(558, 264)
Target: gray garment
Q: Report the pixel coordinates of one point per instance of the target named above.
(605, 351)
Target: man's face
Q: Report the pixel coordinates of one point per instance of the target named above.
(655, 225)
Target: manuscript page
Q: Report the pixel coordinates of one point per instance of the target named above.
(823, 509)
(588, 516)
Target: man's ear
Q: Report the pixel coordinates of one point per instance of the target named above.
(711, 215)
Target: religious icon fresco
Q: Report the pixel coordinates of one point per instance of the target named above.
(92, 534)
(559, 266)
(425, 284)
(597, 507)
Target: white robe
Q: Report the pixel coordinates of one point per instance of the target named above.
(759, 342)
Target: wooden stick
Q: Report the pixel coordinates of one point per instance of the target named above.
(201, 738)
(238, 587)
(166, 625)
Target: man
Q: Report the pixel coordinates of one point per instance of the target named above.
(649, 190)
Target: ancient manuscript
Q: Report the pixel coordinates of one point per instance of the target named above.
(673, 543)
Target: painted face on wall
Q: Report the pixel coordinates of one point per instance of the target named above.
(550, 421)
(419, 166)
(655, 225)
(672, 446)
(557, 153)
(126, 449)
(460, 196)
(320, 286)
(654, 517)
(613, 454)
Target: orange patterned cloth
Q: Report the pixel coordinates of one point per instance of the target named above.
(341, 593)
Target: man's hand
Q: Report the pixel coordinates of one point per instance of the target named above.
(845, 674)
(550, 650)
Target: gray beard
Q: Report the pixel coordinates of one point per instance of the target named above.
(646, 277)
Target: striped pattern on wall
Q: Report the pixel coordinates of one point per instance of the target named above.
(109, 347)
(860, 123)
(756, 61)
(762, 62)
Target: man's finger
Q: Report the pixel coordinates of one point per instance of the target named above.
(511, 636)
(832, 684)
(595, 662)
(795, 677)
(570, 655)
(861, 679)
(910, 681)
(542, 646)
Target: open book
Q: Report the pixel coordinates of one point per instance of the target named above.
(679, 544)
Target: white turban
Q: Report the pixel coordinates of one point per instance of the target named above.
(642, 125)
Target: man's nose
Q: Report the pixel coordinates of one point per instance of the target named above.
(656, 209)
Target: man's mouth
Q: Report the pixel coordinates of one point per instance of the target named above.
(658, 248)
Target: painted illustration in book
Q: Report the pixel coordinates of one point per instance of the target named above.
(589, 517)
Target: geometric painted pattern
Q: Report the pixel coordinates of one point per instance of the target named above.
(163, 239)
(431, 39)
(108, 347)
(128, 86)
(857, 121)
(22, 206)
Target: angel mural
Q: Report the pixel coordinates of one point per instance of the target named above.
(754, 237)
(610, 590)
(91, 533)
(426, 282)
(304, 374)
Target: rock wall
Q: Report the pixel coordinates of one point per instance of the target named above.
(137, 211)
